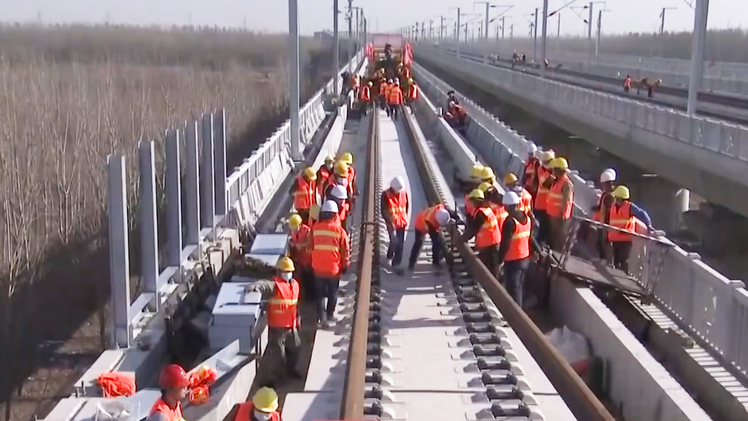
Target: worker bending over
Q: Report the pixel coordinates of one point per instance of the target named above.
(395, 99)
(324, 173)
(525, 198)
(544, 182)
(560, 203)
(532, 164)
(485, 228)
(623, 214)
(364, 98)
(430, 220)
(174, 384)
(394, 204)
(601, 211)
(264, 407)
(283, 317)
(331, 256)
(300, 245)
(304, 192)
(516, 246)
(456, 115)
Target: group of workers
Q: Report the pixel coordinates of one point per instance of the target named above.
(389, 94)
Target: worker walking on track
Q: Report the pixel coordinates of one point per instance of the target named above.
(525, 198)
(347, 159)
(339, 177)
(364, 98)
(414, 91)
(384, 93)
(394, 204)
(516, 246)
(485, 228)
(300, 245)
(174, 384)
(264, 407)
(283, 317)
(331, 257)
(339, 196)
(543, 188)
(601, 211)
(531, 169)
(395, 99)
(627, 216)
(429, 221)
(560, 203)
(324, 173)
(304, 192)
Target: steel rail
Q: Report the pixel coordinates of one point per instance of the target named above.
(578, 397)
(352, 406)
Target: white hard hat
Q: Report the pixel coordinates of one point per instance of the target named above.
(510, 199)
(397, 183)
(608, 175)
(442, 216)
(329, 206)
(532, 148)
(339, 192)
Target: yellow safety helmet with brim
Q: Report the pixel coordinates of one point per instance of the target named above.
(559, 164)
(294, 221)
(285, 264)
(341, 169)
(621, 192)
(477, 195)
(484, 187)
(314, 212)
(510, 178)
(487, 174)
(476, 171)
(265, 400)
(310, 174)
(347, 158)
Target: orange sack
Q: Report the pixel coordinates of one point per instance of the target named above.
(115, 384)
(200, 381)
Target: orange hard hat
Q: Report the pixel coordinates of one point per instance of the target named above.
(173, 376)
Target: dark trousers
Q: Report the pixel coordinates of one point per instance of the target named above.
(621, 253)
(514, 278)
(284, 344)
(304, 214)
(490, 258)
(543, 226)
(395, 249)
(436, 248)
(306, 279)
(603, 245)
(327, 288)
(393, 111)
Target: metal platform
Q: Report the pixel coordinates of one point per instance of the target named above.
(596, 273)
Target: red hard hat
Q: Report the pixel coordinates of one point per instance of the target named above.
(173, 376)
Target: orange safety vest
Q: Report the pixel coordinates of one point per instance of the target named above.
(531, 168)
(620, 217)
(457, 111)
(500, 212)
(597, 214)
(490, 233)
(470, 207)
(555, 197)
(414, 91)
(169, 413)
(330, 250)
(541, 199)
(397, 207)
(245, 412)
(365, 94)
(350, 180)
(323, 175)
(304, 196)
(395, 96)
(384, 89)
(283, 305)
(525, 201)
(300, 239)
(627, 83)
(519, 246)
(428, 217)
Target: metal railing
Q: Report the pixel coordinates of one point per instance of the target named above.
(704, 303)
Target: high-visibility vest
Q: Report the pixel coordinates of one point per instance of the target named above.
(323, 175)
(525, 201)
(169, 413)
(304, 196)
(620, 217)
(470, 207)
(397, 207)
(519, 246)
(597, 214)
(384, 89)
(329, 248)
(283, 305)
(541, 198)
(531, 168)
(427, 217)
(350, 180)
(365, 94)
(245, 412)
(395, 96)
(555, 197)
(489, 233)
(414, 91)
(500, 212)
(300, 239)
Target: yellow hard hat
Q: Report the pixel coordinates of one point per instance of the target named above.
(410, 80)
(621, 192)
(294, 221)
(487, 173)
(476, 171)
(329, 159)
(559, 164)
(484, 187)
(341, 169)
(265, 400)
(310, 174)
(285, 264)
(547, 156)
(510, 178)
(347, 158)
(477, 194)
(314, 212)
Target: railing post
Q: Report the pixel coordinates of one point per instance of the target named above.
(119, 259)
(192, 187)
(207, 186)
(173, 198)
(220, 130)
(148, 221)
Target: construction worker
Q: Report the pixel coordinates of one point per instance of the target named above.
(174, 384)
(304, 192)
(331, 256)
(394, 205)
(430, 220)
(543, 187)
(451, 97)
(516, 245)
(355, 84)
(395, 99)
(495, 199)
(339, 195)
(531, 167)
(475, 173)
(525, 198)
(283, 316)
(264, 407)
(485, 228)
(339, 177)
(487, 176)
(300, 245)
(382, 94)
(324, 173)
(560, 203)
(627, 84)
(456, 115)
(624, 214)
(414, 92)
(387, 90)
(365, 97)
(347, 158)
(601, 211)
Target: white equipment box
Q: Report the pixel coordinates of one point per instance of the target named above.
(235, 316)
(268, 248)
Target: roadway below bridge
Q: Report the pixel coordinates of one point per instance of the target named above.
(711, 230)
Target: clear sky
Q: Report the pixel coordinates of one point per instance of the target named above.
(384, 15)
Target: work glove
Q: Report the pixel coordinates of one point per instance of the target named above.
(251, 288)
